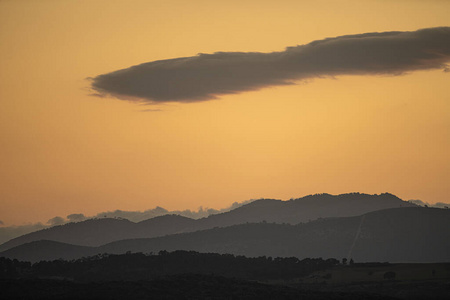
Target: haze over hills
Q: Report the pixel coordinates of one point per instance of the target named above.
(392, 235)
(12, 231)
(96, 232)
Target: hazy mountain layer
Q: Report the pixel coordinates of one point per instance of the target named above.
(97, 232)
(393, 235)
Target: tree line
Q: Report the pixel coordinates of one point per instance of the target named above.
(139, 266)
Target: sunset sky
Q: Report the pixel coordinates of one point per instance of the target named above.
(69, 146)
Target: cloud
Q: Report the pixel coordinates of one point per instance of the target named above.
(207, 76)
(76, 217)
(418, 202)
(56, 221)
(137, 216)
(10, 232)
(151, 110)
(1, 222)
(441, 205)
(436, 205)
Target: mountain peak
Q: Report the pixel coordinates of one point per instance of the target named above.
(95, 232)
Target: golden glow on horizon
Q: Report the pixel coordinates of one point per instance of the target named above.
(63, 151)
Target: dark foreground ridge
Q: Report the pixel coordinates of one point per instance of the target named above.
(138, 266)
(192, 275)
(190, 286)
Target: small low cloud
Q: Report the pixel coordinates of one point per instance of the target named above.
(9, 232)
(426, 204)
(418, 202)
(137, 216)
(1, 223)
(441, 205)
(56, 221)
(151, 110)
(207, 76)
(76, 217)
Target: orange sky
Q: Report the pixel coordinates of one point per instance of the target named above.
(63, 151)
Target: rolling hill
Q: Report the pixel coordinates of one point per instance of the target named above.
(392, 235)
(96, 232)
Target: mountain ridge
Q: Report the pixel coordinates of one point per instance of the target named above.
(409, 234)
(96, 232)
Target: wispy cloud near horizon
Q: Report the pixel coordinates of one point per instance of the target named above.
(9, 232)
(207, 76)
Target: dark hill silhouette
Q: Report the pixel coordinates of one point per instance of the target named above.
(396, 235)
(393, 235)
(162, 225)
(304, 209)
(185, 286)
(91, 232)
(50, 250)
(138, 266)
(96, 232)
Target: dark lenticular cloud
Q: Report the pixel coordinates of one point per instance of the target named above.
(206, 76)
